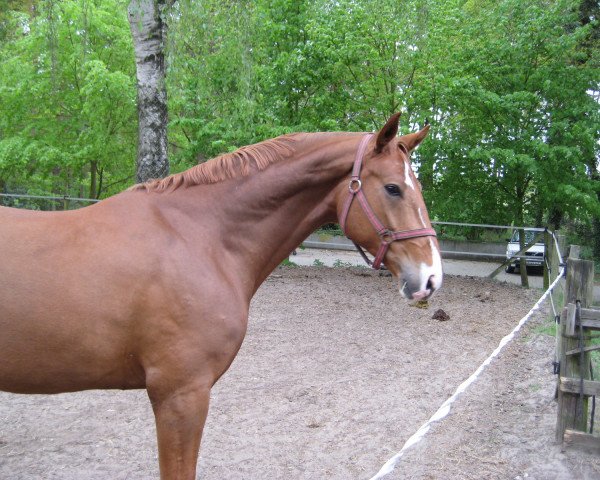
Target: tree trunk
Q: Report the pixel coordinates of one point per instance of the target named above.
(523, 260)
(93, 180)
(148, 31)
(522, 242)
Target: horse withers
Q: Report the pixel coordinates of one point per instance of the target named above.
(151, 288)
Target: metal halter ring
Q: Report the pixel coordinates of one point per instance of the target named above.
(357, 182)
(386, 237)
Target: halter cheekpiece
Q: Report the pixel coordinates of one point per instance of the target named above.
(386, 236)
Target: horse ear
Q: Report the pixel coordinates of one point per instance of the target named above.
(412, 140)
(387, 133)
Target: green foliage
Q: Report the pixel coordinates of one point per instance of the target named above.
(510, 89)
(67, 99)
(521, 114)
(506, 86)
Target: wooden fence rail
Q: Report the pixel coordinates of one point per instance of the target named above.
(574, 346)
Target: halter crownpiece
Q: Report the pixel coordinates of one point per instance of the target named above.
(387, 236)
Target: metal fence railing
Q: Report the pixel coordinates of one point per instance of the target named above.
(39, 202)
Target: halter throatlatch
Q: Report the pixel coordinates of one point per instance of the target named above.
(386, 236)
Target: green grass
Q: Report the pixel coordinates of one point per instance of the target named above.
(548, 327)
(332, 229)
(288, 263)
(595, 357)
(340, 263)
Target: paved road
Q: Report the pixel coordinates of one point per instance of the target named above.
(331, 258)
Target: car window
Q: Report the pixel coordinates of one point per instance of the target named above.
(529, 235)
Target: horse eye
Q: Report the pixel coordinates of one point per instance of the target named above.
(393, 190)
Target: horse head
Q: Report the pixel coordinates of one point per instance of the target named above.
(382, 209)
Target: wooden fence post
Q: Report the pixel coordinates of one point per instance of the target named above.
(579, 286)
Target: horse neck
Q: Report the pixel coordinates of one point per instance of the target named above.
(269, 213)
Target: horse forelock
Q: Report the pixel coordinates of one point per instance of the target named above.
(229, 165)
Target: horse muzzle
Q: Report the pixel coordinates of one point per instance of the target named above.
(420, 282)
(419, 291)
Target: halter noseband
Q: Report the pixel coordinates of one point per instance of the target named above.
(386, 236)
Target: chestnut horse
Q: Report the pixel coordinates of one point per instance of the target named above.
(151, 288)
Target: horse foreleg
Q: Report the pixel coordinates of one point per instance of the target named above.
(180, 418)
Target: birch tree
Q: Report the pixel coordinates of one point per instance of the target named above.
(148, 30)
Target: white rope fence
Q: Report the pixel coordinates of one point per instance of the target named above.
(444, 410)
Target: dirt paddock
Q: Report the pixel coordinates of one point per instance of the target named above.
(335, 374)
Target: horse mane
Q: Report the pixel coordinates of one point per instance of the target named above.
(229, 165)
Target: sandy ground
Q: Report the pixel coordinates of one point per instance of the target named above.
(335, 374)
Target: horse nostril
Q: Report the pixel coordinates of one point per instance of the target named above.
(429, 285)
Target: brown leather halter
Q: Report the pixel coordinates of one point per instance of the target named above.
(386, 236)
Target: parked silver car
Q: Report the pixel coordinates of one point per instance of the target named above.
(535, 254)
